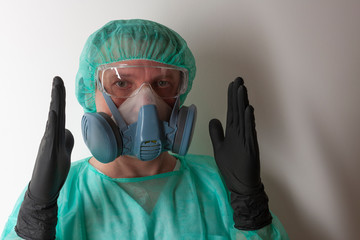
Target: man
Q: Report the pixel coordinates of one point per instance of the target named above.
(140, 183)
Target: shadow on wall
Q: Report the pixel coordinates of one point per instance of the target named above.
(336, 151)
(252, 59)
(284, 206)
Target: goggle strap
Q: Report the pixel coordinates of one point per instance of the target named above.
(115, 112)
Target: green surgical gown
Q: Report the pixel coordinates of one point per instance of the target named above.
(191, 202)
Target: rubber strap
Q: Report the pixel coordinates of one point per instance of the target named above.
(115, 112)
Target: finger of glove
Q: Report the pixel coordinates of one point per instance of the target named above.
(252, 144)
(59, 107)
(216, 133)
(47, 142)
(49, 138)
(229, 117)
(69, 142)
(243, 102)
(44, 164)
(250, 131)
(237, 83)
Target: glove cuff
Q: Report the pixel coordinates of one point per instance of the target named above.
(36, 220)
(251, 212)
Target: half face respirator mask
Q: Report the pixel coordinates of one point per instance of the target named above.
(144, 125)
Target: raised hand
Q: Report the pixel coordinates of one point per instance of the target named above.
(38, 212)
(237, 156)
(53, 160)
(237, 153)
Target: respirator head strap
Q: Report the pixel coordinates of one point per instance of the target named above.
(175, 114)
(115, 112)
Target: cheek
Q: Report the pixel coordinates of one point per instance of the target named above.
(101, 105)
(170, 102)
(118, 101)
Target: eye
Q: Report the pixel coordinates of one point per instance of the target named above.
(163, 83)
(122, 84)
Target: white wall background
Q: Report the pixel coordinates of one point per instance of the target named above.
(300, 61)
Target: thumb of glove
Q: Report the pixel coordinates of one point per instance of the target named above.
(216, 132)
(69, 141)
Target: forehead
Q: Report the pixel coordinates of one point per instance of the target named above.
(138, 62)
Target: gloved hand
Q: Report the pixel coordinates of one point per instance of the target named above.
(237, 156)
(37, 217)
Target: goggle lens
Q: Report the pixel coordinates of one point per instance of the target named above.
(121, 81)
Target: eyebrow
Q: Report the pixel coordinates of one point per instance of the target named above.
(119, 76)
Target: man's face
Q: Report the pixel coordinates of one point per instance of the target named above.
(120, 83)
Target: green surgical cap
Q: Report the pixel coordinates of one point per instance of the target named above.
(129, 40)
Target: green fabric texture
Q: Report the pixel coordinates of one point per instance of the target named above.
(133, 39)
(189, 203)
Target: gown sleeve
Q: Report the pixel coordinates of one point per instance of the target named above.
(9, 230)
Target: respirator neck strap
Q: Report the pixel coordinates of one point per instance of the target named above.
(115, 112)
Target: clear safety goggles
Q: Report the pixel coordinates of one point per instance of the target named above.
(122, 80)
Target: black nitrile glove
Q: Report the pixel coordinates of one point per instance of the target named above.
(237, 156)
(37, 217)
